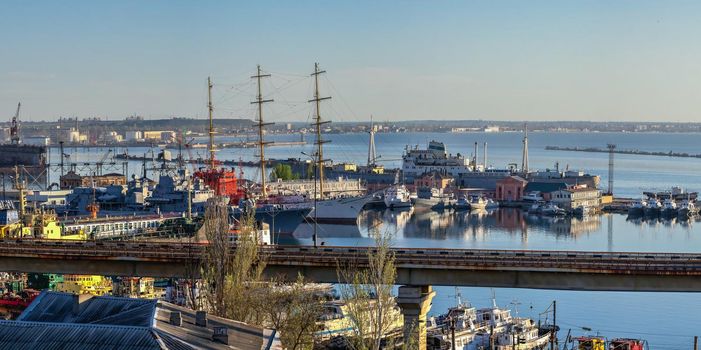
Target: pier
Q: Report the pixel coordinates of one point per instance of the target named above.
(623, 151)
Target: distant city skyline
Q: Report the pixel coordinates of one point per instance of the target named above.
(411, 60)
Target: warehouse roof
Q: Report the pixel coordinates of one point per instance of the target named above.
(67, 321)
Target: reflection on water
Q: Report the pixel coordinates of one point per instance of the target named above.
(509, 228)
(474, 225)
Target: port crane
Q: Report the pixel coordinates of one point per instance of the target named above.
(14, 128)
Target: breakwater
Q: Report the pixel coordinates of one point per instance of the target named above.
(625, 151)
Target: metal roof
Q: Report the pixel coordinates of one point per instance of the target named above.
(68, 336)
(106, 322)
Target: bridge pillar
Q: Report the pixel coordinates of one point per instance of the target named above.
(415, 301)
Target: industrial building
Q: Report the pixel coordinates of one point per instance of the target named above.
(57, 320)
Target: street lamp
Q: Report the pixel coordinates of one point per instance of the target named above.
(312, 156)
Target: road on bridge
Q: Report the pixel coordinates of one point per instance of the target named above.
(577, 270)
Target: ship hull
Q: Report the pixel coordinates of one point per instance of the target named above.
(339, 211)
(281, 221)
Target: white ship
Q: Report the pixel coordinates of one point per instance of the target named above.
(477, 329)
(397, 197)
(416, 162)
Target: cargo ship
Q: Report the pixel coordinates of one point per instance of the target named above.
(15, 153)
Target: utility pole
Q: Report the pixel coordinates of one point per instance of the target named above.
(210, 109)
(318, 123)
(484, 159)
(261, 143)
(553, 336)
(524, 158)
(611, 147)
(452, 333)
(696, 342)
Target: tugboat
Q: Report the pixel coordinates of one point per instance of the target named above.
(653, 207)
(637, 208)
(687, 209)
(669, 208)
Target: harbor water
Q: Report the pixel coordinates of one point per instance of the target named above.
(665, 320)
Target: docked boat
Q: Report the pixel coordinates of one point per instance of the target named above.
(477, 203)
(462, 203)
(492, 204)
(626, 344)
(590, 343)
(433, 199)
(397, 197)
(637, 208)
(687, 209)
(669, 208)
(481, 328)
(533, 196)
(551, 209)
(653, 207)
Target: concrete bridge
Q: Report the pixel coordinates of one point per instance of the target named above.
(417, 269)
(570, 270)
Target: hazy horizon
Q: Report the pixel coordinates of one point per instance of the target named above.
(399, 61)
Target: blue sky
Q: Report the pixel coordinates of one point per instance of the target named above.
(502, 60)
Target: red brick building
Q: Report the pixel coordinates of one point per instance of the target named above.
(510, 188)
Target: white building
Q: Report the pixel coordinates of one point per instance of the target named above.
(37, 141)
(133, 135)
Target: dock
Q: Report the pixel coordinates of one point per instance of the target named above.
(624, 151)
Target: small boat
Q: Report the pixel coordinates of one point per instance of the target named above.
(533, 196)
(653, 207)
(637, 208)
(433, 199)
(492, 204)
(397, 197)
(462, 203)
(669, 208)
(687, 209)
(477, 203)
(551, 209)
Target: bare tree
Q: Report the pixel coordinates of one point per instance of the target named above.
(294, 310)
(230, 275)
(367, 292)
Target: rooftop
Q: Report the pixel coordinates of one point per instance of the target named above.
(67, 321)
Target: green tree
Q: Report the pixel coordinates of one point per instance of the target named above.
(283, 172)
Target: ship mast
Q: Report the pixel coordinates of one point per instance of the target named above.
(210, 108)
(372, 157)
(261, 143)
(317, 123)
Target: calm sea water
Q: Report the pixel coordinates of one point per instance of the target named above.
(665, 320)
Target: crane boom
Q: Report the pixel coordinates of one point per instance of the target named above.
(14, 128)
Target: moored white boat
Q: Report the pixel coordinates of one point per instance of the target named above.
(397, 197)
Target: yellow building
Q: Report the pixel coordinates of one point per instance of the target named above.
(83, 284)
